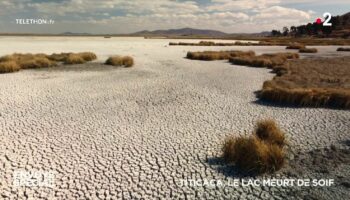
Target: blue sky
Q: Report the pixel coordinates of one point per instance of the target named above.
(125, 16)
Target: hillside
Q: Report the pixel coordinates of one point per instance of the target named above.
(340, 29)
(341, 26)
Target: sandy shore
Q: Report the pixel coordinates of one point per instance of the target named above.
(132, 133)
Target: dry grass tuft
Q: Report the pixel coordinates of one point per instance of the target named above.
(265, 60)
(217, 55)
(262, 152)
(9, 66)
(311, 83)
(237, 43)
(315, 97)
(128, 61)
(285, 55)
(343, 49)
(32, 61)
(254, 61)
(207, 43)
(295, 46)
(74, 59)
(267, 130)
(244, 58)
(115, 61)
(59, 57)
(308, 50)
(229, 149)
(29, 61)
(36, 62)
(7, 58)
(70, 58)
(202, 43)
(87, 56)
(253, 155)
(125, 61)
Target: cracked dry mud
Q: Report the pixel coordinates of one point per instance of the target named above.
(112, 133)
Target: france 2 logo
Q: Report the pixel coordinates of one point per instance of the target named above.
(327, 18)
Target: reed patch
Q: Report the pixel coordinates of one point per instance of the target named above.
(18, 61)
(217, 55)
(265, 60)
(343, 49)
(126, 61)
(308, 50)
(311, 83)
(256, 153)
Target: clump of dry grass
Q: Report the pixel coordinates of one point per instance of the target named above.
(29, 61)
(308, 50)
(311, 83)
(244, 57)
(9, 66)
(237, 43)
(58, 57)
(74, 59)
(261, 43)
(313, 97)
(254, 154)
(343, 49)
(17, 57)
(252, 61)
(36, 62)
(269, 131)
(217, 55)
(125, 61)
(286, 55)
(87, 56)
(7, 58)
(207, 43)
(265, 60)
(32, 61)
(128, 61)
(295, 46)
(201, 43)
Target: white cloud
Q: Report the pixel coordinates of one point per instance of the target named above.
(229, 5)
(281, 12)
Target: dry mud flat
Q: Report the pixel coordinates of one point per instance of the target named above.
(137, 133)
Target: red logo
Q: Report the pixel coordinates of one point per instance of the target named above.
(318, 21)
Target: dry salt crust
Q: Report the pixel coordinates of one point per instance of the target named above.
(114, 133)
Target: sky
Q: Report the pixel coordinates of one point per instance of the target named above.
(127, 16)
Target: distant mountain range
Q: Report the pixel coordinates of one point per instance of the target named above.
(70, 33)
(191, 32)
(182, 32)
